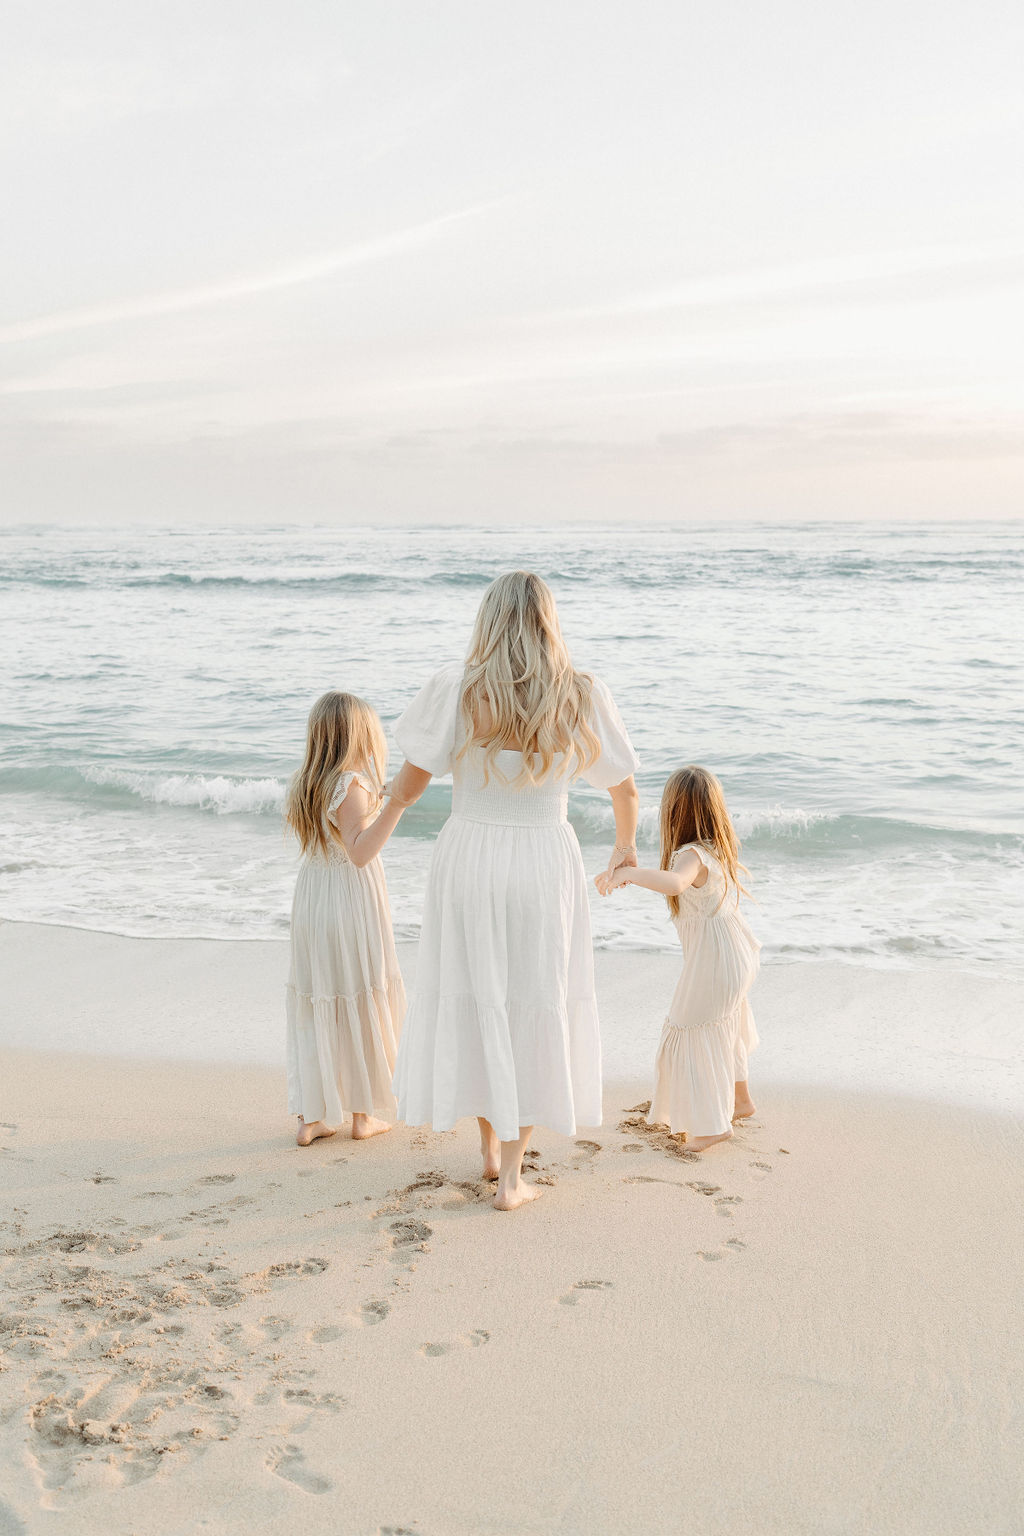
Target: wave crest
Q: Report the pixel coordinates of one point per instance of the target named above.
(226, 796)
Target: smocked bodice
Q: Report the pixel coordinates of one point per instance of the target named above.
(502, 803)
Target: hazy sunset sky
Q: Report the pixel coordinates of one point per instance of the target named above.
(475, 261)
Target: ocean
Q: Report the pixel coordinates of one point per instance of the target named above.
(859, 689)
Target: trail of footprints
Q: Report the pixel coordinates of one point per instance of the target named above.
(110, 1399)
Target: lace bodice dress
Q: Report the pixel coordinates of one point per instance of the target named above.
(709, 1030)
(345, 997)
(503, 1021)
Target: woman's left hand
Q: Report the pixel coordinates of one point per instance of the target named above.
(621, 857)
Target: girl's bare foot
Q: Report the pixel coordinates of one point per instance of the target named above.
(312, 1130)
(367, 1125)
(744, 1106)
(698, 1143)
(490, 1146)
(510, 1196)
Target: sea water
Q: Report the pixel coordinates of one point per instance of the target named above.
(859, 690)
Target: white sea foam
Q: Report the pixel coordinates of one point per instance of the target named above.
(226, 796)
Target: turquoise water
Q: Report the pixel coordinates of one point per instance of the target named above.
(857, 688)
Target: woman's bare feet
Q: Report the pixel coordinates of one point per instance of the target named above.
(364, 1126)
(699, 1143)
(744, 1106)
(512, 1192)
(490, 1147)
(312, 1130)
(510, 1196)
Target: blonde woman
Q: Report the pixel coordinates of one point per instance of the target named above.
(345, 998)
(504, 1024)
(701, 1073)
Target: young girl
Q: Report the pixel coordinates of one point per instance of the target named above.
(345, 996)
(702, 1059)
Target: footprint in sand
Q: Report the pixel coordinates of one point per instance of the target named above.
(731, 1245)
(327, 1334)
(646, 1178)
(217, 1178)
(291, 1269)
(571, 1298)
(472, 1340)
(585, 1150)
(274, 1328)
(369, 1315)
(288, 1462)
(409, 1233)
(102, 1178)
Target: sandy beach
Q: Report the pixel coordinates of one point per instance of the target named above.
(807, 1330)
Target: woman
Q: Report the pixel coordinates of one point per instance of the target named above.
(504, 1022)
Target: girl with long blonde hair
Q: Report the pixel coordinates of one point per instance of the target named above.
(345, 998)
(701, 1071)
(504, 1023)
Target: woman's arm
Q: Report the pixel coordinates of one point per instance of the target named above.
(408, 784)
(626, 806)
(667, 882)
(363, 834)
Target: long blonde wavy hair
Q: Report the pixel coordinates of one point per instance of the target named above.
(344, 735)
(520, 691)
(693, 810)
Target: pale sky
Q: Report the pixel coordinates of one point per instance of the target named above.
(480, 261)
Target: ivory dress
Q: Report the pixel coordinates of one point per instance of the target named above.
(345, 998)
(710, 1027)
(503, 1022)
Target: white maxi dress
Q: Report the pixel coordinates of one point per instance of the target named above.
(345, 997)
(503, 1022)
(710, 1029)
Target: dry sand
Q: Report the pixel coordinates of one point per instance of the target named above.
(809, 1330)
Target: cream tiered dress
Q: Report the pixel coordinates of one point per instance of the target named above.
(503, 1023)
(345, 998)
(710, 1027)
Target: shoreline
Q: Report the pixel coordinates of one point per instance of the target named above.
(931, 1035)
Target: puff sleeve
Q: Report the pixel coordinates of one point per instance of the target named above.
(618, 759)
(427, 730)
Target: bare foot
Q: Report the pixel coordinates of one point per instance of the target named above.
(364, 1126)
(490, 1146)
(515, 1195)
(744, 1108)
(698, 1143)
(312, 1130)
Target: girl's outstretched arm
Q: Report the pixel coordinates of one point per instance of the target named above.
(667, 882)
(362, 833)
(363, 837)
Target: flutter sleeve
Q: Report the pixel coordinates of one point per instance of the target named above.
(342, 788)
(618, 759)
(428, 729)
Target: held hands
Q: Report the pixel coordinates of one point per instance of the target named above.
(607, 882)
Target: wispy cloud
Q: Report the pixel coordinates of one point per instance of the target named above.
(799, 278)
(310, 270)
